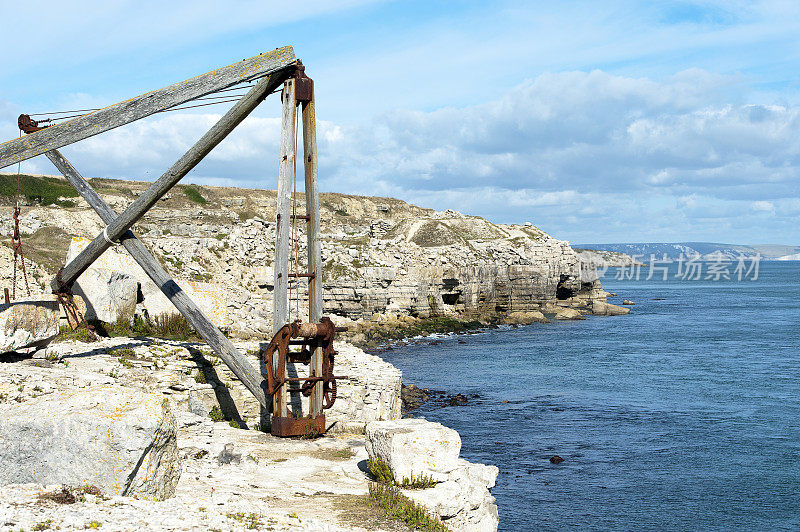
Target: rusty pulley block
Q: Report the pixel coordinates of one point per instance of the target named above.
(310, 337)
(29, 125)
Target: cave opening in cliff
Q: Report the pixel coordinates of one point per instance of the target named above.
(562, 291)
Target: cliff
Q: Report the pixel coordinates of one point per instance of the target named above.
(380, 255)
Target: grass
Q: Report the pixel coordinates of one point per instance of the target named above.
(379, 333)
(381, 471)
(216, 414)
(251, 521)
(395, 505)
(41, 190)
(168, 326)
(383, 474)
(123, 352)
(194, 195)
(47, 247)
(81, 334)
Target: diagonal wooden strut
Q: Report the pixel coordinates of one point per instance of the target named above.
(145, 105)
(245, 372)
(170, 178)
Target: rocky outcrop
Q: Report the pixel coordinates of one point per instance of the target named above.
(607, 309)
(120, 440)
(601, 259)
(379, 256)
(415, 449)
(28, 323)
(232, 479)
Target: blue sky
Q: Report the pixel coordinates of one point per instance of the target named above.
(596, 121)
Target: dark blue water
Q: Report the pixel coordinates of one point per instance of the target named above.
(683, 415)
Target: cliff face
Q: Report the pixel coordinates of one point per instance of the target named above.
(380, 255)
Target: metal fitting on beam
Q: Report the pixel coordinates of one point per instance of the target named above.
(303, 86)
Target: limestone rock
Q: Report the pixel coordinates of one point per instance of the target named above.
(566, 313)
(414, 447)
(121, 440)
(602, 308)
(526, 318)
(28, 323)
(628, 302)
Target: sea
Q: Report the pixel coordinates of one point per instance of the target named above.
(682, 415)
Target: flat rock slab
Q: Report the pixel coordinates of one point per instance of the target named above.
(28, 323)
(121, 440)
(413, 448)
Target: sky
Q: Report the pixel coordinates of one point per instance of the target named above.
(614, 121)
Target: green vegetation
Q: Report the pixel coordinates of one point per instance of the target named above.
(234, 424)
(46, 247)
(41, 190)
(395, 505)
(383, 473)
(194, 195)
(380, 470)
(168, 326)
(333, 270)
(44, 525)
(81, 334)
(375, 334)
(123, 352)
(251, 521)
(216, 414)
(200, 377)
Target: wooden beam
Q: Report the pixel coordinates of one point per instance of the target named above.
(139, 107)
(280, 295)
(170, 178)
(238, 364)
(314, 254)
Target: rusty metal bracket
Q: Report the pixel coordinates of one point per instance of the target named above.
(303, 85)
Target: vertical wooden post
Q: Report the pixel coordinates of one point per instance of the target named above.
(280, 301)
(314, 254)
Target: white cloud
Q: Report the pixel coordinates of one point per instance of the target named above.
(582, 154)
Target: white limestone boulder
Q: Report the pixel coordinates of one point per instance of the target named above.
(28, 323)
(566, 313)
(463, 502)
(413, 448)
(119, 439)
(602, 308)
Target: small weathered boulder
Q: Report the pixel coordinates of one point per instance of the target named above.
(566, 313)
(413, 448)
(526, 318)
(121, 440)
(28, 323)
(628, 302)
(108, 287)
(601, 308)
(556, 459)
